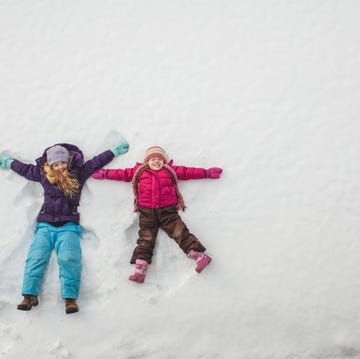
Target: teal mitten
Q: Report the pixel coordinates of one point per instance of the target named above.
(123, 147)
(5, 162)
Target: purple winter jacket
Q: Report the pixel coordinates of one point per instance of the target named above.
(58, 207)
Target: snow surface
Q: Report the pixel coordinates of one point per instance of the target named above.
(267, 90)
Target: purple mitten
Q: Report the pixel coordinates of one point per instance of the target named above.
(213, 172)
(100, 174)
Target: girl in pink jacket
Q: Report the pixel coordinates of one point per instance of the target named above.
(158, 199)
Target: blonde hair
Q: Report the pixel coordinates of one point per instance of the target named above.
(65, 181)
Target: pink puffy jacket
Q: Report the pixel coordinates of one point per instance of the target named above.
(156, 188)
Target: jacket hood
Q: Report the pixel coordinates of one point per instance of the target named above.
(76, 157)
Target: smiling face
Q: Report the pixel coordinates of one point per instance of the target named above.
(59, 166)
(156, 163)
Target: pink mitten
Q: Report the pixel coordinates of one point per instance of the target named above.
(100, 174)
(213, 172)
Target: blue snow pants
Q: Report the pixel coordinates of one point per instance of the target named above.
(66, 242)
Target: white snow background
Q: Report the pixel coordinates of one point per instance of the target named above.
(267, 90)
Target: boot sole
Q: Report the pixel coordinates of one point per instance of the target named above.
(137, 279)
(71, 310)
(204, 265)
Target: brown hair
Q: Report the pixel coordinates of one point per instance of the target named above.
(65, 181)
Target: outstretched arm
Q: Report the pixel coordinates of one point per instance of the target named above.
(118, 174)
(187, 173)
(28, 171)
(104, 158)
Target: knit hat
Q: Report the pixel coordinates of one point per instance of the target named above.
(57, 153)
(155, 151)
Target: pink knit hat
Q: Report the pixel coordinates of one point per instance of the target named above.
(155, 151)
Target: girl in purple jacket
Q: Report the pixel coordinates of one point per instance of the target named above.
(158, 199)
(62, 172)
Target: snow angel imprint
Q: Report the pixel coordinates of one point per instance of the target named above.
(62, 172)
(158, 199)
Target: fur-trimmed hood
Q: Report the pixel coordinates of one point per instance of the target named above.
(76, 157)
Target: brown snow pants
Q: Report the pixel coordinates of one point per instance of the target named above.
(168, 219)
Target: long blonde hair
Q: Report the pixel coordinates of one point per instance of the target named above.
(65, 181)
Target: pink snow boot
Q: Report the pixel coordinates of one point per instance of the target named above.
(141, 267)
(201, 258)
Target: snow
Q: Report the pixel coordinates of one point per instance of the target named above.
(267, 90)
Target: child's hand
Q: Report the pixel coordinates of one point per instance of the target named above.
(213, 172)
(5, 162)
(121, 148)
(100, 174)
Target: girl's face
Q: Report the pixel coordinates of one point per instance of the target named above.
(156, 163)
(59, 166)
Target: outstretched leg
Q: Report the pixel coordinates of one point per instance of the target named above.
(175, 228)
(37, 260)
